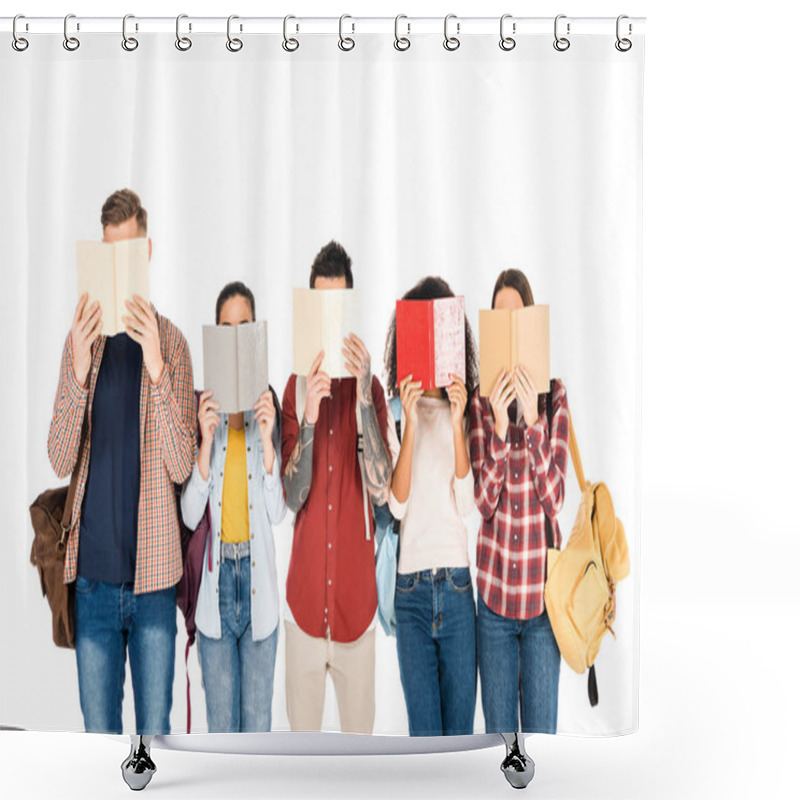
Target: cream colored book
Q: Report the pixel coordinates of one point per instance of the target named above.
(509, 338)
(236, 364)
(112, 272)
(322, 319)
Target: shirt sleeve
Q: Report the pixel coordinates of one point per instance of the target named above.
(194, 498)
(63, 438)
(397, 509)
(548, 452)
(289, 424)
(488, 455)
(464, 488)
(271, 483)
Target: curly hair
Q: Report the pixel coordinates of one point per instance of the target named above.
(428, 288)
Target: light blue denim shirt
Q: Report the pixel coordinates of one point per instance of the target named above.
(266, 508)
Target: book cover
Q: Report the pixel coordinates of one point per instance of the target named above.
(509, 338)
(112, 272)
(236, 364)
(431, 340)
(322, 319)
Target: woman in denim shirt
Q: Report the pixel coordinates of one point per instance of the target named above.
(238, 473)
(431, 493)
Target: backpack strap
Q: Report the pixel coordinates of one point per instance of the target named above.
(548, 528)
(575, 455)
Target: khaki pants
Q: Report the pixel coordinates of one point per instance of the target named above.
(352, 668)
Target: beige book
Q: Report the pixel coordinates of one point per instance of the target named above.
(509, 338)
(322, 319)
(112, 272)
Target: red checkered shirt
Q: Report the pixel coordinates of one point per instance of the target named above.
(517, 483)
(167, 446)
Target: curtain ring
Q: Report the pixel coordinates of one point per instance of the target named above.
(561, 43)
(451, 42)
(129, 43)
(506, 42)
(183, 43)
(346, 43)
(233, 44)
(19, 43)
(289, 45)
(401, 43)
(623, 45)
(71, 43)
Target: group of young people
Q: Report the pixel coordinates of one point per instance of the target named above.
(127, 418)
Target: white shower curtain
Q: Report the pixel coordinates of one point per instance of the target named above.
(424, 162)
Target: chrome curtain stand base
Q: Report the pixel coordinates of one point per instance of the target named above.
(518, 766)
(138, 768)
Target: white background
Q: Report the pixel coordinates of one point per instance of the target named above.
(719, 618)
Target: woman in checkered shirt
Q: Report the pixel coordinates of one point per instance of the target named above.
(519, 460)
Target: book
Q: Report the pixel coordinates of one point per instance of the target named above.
(509, 338)
(431, 340)
(236, 364)
(322, 319)
(112, 272)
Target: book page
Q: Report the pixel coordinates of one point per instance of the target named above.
(449, 340)
(96, 276)
(494, 354)
(220, 372)
(253, 357)
(341, 317)
(533, 343)
(132, 269)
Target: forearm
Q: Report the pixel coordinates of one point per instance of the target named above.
(297, 475)
(194, 498)
(462, 456)
(377, 461)
(176, 438)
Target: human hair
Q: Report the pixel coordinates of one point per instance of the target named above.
(428, 288)
(235, 289)
(332, 261)
(121, 206)
(514, 279)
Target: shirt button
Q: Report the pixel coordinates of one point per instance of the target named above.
(516, 474)
(326, 610)
(249, 477)
(254, 591)
(221, 475)
(330, 545)
(330, 432)
(252, 564)
(330, 507)
(330, 583)
(516, 507)
(248, 449)
(251, 505)
(330, 467)
(515, 537)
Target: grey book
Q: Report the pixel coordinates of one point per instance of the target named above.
(236, 364)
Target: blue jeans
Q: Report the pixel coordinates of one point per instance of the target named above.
(109, 618)
(238, 673)
(519, 665)
(436, 650)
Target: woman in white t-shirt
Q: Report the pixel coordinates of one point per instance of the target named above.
(432, 491)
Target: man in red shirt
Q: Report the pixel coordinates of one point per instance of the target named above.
(331, 592)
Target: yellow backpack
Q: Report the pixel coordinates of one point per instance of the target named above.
(579, 591)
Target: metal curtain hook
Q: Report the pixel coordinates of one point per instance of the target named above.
(129, 43)
(289, 44)
(451, 42)
(561, 43)
(623, 45)
(233, 44)
(70, 42)
(345, 42)
(401, 42)
(506, 42)
(183, 43)
(19, 43)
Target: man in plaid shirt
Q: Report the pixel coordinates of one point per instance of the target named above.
(519, 460)
(134, 392)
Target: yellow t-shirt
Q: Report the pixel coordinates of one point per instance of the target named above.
(235, 519)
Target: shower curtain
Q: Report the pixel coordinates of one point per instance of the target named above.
(457, 162)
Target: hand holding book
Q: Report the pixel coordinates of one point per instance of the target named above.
(500, 399)
(527, 394)
(87, 324)
(142, 326)
(318, 385)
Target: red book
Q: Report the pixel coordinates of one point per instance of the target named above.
(430, 340)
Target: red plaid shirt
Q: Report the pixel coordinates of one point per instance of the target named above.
(517, 483)
(167, 445)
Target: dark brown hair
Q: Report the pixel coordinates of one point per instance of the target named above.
(428, 289)
(235, 289)
(121, 206)
(332, 262)
(514, 279)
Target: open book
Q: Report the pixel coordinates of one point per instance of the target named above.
(236, 364)
(509, 338)
(322, 320)
(431, 340)
(112, 272)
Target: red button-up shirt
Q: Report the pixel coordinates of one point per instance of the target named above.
(331, 582)
(519, 483)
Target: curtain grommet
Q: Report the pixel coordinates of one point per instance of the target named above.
(451, 43)
(71, 43)
(19, 43)
(346, 43)
(129, 43)
(623, 44)
(507, 43)
(182, 43)
(561, 43)
(401, 43)
(233, 44)
(289, 44)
